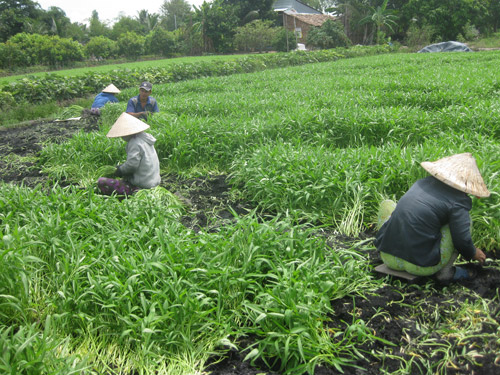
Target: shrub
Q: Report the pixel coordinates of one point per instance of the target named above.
(6, 100)
(470, 33)
(284, 41)
(101, 47)
(161, 42)
(34, 49)
(63, 51)
(255, 36)
(12, 56)
(131, 45)
(418, 37)
(330, 35)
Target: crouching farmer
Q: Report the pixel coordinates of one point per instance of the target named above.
(142, 168)
(430, 225)
(107, 95)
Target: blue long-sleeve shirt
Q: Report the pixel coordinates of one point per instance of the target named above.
(102, 98)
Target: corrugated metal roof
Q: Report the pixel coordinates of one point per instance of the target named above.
(280, 5)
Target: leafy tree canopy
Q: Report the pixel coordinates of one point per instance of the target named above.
(175, 13)
(14, 14)
(249, 10)
(447, 17)
(126, 24)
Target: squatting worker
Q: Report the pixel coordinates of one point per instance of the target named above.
(430, 225)
(107, 95)
(142, 168)
(143, 104)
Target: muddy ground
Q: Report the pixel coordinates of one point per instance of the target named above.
(211, 205)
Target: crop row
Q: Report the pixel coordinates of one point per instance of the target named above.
(52, 86)
(319, 138)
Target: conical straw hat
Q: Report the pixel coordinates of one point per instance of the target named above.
(126, 125)
(111, 89)
(460, 172)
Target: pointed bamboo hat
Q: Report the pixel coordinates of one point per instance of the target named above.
(459, 171)
(126, 125)
(111, 89)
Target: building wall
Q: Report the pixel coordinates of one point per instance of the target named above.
(291, 23)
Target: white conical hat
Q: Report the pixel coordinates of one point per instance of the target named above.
(111, 89)
(460, 172)
(126, 125)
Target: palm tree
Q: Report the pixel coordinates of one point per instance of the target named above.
(350, 12)
(380, 17)
(148, 20)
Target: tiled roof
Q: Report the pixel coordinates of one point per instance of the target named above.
(312, 19)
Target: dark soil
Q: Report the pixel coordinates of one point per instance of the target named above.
(211, 205)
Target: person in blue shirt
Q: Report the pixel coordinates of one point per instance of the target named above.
(107, 95)
(142, 105)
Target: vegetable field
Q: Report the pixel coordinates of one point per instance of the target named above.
(255, 255)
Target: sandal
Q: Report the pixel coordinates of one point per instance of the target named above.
(462, 273)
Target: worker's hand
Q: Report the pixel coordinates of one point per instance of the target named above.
(480, 256)
(118, 173)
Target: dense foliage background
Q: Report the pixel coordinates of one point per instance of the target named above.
(30, 35)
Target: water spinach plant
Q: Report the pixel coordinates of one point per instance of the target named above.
(92, 282)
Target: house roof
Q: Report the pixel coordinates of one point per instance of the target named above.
(312, 19)
(282, 5)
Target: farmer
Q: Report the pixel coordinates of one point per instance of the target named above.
(143, 104)
(107, 95)
(142, 168)
(430, 225)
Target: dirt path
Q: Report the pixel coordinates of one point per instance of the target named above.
(384, 314)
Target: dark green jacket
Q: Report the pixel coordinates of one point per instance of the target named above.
(413, 232)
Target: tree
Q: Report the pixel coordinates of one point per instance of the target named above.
(126, 24)
(56, 21)
(63, 52)
(175, 13)
(35, 49)
(493, 16)
(448, 18)
(217, 23)
(161, 42)
(350, 11)
(96, 27)
(329, 35)
(14, 14)
(101, 47)
(249, 10)
(131, 45)
(284, 40)
(380, 17)
(148, 21)
(255, 36)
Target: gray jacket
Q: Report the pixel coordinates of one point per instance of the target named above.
(142, 167)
